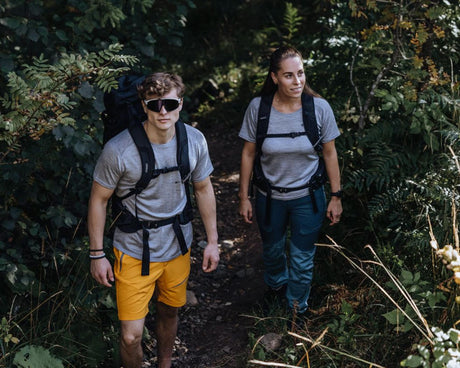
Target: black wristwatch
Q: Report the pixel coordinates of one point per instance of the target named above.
(338, 194)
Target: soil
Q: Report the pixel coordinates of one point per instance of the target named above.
(214, 332)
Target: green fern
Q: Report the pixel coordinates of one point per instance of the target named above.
(292, 21)
(42, 99)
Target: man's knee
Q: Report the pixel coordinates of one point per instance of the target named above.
(130, 339)
(166, 311)
(131, 333)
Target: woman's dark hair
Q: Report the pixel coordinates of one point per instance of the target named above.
(280, 54)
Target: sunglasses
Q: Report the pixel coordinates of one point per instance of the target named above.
(156, 104)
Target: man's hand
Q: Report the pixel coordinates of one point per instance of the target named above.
(101, 270)
(210, 257)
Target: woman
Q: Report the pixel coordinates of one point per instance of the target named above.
(288, 175)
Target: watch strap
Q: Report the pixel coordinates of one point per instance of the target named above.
(338, 194)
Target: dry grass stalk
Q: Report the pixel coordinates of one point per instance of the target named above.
(426, 333)
(315, 343)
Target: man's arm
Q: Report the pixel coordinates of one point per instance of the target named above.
(247, 162)
(204, 194)
(101, 270)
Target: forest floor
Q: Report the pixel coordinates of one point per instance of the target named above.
(214, 332)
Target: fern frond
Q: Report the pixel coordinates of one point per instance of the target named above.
(41, 100)
(292, 21)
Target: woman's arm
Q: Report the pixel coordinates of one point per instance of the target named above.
(334, 209)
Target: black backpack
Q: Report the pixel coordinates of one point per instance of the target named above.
(311, 131)
(123, 110)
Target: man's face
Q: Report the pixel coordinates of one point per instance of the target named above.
(166, 114)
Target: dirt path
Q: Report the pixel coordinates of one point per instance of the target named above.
(214, 333)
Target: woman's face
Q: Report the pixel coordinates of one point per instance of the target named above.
(290, 78)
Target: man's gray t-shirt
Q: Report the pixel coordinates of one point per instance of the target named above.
(118, 168)
(289, 162)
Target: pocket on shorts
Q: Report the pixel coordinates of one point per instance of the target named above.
(119, 258)
(122, 255)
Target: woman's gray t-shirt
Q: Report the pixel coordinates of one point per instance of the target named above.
(289, 162)
(119, 168)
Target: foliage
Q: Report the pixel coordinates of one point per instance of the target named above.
(42, 100)
(35, 356)
(144, 27)
(444, 353)
(342, 326)
(39, 107)
(57, 59)
(404, 119)
(423, 296)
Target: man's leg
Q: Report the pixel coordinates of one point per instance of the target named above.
(130, 343)
(166, 330)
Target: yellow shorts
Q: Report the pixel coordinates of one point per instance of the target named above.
(135, 291)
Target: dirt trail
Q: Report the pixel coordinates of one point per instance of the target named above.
(214, 333)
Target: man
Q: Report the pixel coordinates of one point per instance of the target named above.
(117, 172)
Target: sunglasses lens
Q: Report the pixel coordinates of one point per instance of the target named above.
(170, 105)
(156, 105)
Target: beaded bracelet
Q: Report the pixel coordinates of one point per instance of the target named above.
(97, 257)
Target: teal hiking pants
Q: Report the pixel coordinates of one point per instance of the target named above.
(290, 261)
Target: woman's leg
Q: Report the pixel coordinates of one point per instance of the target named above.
(305, 227)
(274, 241)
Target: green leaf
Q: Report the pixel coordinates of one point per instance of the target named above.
(31, 356)
(86, 90)
(454, 335)
(394, 317)
(412, 361)
(61, 35)
(12, 23)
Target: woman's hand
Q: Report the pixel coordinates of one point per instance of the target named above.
(245, 210)
(334, 210)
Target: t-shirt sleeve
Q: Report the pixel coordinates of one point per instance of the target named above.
(248, 129)
(326, 119)
(203, 167)
(108, 168)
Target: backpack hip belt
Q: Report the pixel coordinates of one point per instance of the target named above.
(176, 222)
(316, 182)
(128, 223)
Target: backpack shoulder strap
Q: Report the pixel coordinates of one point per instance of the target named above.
(262, 120)
(309, 121)
(145, 152)
(183, 161)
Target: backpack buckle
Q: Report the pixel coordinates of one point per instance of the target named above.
(295, 134)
